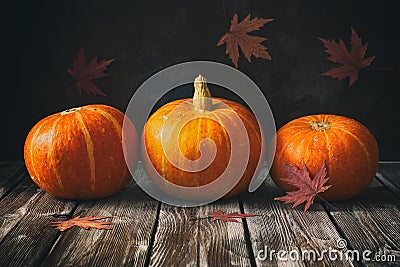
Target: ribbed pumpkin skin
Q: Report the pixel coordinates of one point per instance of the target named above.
(349, 150)
(190, 136)
(77, 154)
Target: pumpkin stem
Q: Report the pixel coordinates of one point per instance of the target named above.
(320, 126)
(202, 97)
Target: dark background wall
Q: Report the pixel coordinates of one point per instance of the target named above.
(42, 37)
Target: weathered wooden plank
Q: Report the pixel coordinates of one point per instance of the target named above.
(389, 175)
(371, 222)
(222, 243)
(14, 206)
(127, 243)
(176, 239)
(25, 234)
(11, 173)
(185, 237)
(292, 231)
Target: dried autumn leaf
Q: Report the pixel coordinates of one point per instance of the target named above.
(230, 217)
(84, 74)
(352, 61)
(85, 223)
(308, 188)
(238, 36)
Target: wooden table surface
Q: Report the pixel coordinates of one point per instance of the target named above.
(146, 232)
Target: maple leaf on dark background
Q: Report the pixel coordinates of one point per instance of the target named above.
(238, 37)
(85, 223)
(352, 61)
(308, 188)
(84, 74)
(229, 217)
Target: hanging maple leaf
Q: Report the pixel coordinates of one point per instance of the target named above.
(352, 61)
(230, 217)
(238, 36)
(308, 188)
(84, 74)
(85, 223)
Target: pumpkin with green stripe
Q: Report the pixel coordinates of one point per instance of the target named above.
(347, 147)
(78, 153)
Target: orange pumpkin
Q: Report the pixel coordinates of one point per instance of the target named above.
(78, 153)
(186, 123)
(349, 150)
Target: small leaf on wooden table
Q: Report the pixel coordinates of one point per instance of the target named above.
(85, 223)
(229, 217)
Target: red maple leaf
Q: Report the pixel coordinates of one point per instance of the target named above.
(85, 223)
(238, 36)
(308, 188)
(230, 217)
(84, 74)
(352, 61)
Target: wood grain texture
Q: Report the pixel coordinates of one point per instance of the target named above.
(222, 243)
(10, 175)
(371, 222)
(185, 237)
(146, 232)
(127, 243)
(389, 175)
(25, 234)
(280, 227)
(176, 239)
